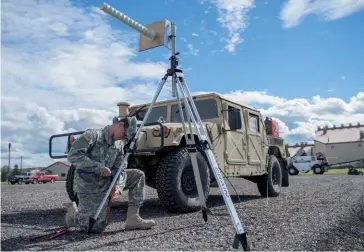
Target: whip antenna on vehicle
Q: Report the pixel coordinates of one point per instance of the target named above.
(153, 35)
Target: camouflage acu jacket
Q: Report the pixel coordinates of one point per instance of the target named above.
(91, 152)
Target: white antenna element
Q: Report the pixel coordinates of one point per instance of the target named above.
(128, 21)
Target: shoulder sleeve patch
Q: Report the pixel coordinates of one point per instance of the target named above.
(86, 135)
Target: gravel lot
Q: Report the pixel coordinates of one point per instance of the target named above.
(304, 217)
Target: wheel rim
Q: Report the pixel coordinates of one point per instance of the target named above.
(276, 176)
(188, 183)
(291, 171)
(317, 169)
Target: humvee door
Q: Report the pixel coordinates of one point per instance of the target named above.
(235, 134)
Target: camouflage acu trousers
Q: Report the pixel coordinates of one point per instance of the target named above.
(133, 181)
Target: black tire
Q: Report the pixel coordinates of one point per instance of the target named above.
(292, 170)
(318, 169)
(285, 174)
(266, 185)
(175, 182)
(69, 184)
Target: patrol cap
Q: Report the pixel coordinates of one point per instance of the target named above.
(119, 119)
(130, 124)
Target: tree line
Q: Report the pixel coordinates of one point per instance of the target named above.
(6, 171)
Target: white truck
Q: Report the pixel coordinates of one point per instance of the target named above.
(301, 162)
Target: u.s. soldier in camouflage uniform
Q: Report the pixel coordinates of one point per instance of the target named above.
(96, 154)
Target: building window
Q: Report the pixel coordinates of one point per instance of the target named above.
(63, 175)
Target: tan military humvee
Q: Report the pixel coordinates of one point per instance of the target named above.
(242, 141)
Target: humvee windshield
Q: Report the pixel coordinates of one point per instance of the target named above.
(206, 108)
(154, 115)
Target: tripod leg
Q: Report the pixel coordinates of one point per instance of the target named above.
(193, 155)
(92, 219)
(240, 233)
(194, 109)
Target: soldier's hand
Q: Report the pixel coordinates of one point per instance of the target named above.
(115, 192)
(105, 172)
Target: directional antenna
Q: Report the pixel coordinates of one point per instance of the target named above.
(151, 36)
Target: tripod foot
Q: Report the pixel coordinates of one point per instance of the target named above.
(91, 224)
(205, 212)
(244, 243)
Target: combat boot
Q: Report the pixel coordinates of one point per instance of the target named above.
(70, 216)
(134, 221)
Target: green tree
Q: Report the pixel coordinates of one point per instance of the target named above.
(5, 172)
(16, 170)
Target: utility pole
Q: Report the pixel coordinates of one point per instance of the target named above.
(9, 154)
(21, 163)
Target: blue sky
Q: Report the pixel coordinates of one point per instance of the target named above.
(316, 55)
(65, 66)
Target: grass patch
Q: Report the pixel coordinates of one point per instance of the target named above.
(332, 171)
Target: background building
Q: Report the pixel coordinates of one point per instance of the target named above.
(340, 144)
(307, 149)
(59, 168)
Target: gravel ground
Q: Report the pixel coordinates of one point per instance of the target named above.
(304, 217)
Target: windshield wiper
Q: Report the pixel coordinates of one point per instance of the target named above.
(137, 112)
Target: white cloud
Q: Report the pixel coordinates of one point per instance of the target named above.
(192, 50)
(254, 97)
(331, 90)
(63, 73)
(294, 11)
(304, 115)
(195, 34)
(343, 77)
(233, 17)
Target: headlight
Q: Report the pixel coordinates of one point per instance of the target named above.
(157, 131)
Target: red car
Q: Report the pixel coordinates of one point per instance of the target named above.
(41, 177)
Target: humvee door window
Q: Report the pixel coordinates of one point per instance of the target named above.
(154, 114)
(234, 118)
(253, 123)
(207, 109)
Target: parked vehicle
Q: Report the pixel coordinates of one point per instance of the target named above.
(41, 177)
(16, 179)
(245, 145)
(19, 179)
